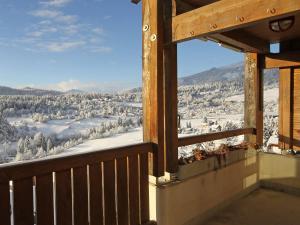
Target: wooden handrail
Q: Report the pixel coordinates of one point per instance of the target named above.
(190, 140)
(37, 167)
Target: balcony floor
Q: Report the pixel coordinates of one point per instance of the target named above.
(260, 208)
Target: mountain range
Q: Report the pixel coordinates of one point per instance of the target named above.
(221, 74)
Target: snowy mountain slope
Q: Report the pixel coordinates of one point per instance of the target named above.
(225, 73)
(27, 91)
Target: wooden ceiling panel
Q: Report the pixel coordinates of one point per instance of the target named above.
(262, 30)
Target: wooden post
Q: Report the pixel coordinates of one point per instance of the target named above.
(285, 108)
(253, 85)
(153, 95)
(170, 89)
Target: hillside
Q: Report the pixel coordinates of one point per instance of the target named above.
(234, 72)
(27, 91)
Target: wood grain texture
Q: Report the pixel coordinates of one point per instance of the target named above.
(63, 198)
(285, 108)
(296, 109)
(189, 140)
(4, 203)
(23, 202)
(281, 60)
(80, 196)
(144, 188)
(134, 190)
(21, 170)
(228, 15)
(170, 92)
(44, 199)
(253, 86)
(109, 192)
(122, 191)
(96, 190)
(153, 79)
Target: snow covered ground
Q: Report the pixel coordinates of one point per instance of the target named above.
(269, 96)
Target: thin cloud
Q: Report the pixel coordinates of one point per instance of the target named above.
(62, 46)
(55, 3)
(55, 15)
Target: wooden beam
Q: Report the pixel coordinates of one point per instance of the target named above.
(285, 108)
(281, 60)
(170, 91)
(243, 40)
(190, 140)
(153, 80)
(227, 15)
(253, 87)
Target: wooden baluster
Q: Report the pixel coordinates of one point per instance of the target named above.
(122, 191)
(144, 188)
(44, 199)
(4, 203)
(63, 198)
(134, 190)
(23, 202)
(109, 193)
(96, 200)
(80, 196)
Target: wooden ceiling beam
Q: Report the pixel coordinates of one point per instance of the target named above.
(227, 15)
(243, 40)
(281, 60)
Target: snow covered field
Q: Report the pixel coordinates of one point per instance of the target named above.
(40, 126)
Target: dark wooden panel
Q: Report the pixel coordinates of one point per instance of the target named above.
(15, 171)
(96, 200)
(4, 204)
(134, 190)
(80, 196)
(109, 193)
(64, 198)
(23, 202)
(122, 191)
(44, 199)
(144, 188)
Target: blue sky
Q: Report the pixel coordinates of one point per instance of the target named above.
(84, 44)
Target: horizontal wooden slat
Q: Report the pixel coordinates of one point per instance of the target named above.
(228, 15)
(44, 199)
(281, 60)
(214, 136)
(4, 204)
(23, 202)
(21, 170)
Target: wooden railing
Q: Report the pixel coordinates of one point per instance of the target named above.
(106, 187)
(213, 136)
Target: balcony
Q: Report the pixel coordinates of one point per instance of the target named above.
(142, 183)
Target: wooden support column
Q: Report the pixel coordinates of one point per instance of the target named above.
(285, 108)
(253, 85)
(170, 89)
(153, 95)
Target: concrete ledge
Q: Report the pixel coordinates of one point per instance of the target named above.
(194, 199)
(211, 164)
(280, 172)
